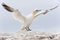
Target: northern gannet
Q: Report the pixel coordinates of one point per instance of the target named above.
(29, 18)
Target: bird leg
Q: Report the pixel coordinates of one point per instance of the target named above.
(26, 28)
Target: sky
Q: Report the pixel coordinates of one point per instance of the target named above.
(46, 23)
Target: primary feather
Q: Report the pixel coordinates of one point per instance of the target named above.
(16, 14)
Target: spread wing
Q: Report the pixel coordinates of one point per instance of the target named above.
(15, 13)
(46, 11)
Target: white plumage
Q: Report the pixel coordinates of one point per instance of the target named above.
(29, 18)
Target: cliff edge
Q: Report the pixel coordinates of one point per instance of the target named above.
(30, 35)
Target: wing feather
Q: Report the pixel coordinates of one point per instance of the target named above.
(15, 13)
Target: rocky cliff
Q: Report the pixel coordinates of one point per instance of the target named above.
(30, 35)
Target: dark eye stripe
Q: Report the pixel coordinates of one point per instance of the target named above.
(38, 10)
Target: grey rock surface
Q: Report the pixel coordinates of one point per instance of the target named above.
(30, 35)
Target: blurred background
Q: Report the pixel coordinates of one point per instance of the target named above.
(46, 23)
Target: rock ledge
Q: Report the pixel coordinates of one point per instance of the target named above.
(30, 35)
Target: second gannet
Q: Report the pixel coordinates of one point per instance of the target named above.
(29, 18)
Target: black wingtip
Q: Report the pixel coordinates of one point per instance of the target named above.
(7, 7)
(54, 7)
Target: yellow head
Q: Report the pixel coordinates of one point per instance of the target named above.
(34, 12)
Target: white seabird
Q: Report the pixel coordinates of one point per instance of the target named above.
(29, 18)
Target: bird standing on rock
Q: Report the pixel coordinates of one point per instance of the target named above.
(26, 20)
